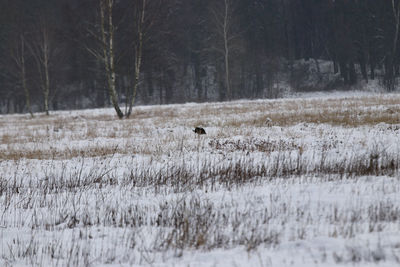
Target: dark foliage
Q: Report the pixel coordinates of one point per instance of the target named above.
(182, 59)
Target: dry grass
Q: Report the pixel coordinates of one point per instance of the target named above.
(44, 154)
(37, 138)
(6, 139)
(344, 112)
(244, 184)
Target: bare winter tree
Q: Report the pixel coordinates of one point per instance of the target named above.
(18, 55)
(138, 52)
(43, 51)
(106, 53)
(390, 72)
(107, 37)
(223, 19)
(396, 15)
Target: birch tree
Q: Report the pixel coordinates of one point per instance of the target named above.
(18, 56)
(105, 53)
(107, 38)
(43, 51)
(223, 19)
(225, 30)
(138, 53)
(390, 60)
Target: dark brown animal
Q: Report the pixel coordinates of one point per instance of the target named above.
(199, 130)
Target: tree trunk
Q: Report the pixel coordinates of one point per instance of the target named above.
(138, 59)
(363, 67)
(352, 73)
(226, 50)
(46, 86)
(41, 51)
(197, 77)
(390, 77)
(344, 71)
(108, 51)
(23, 77)
(335, 67)
(372, 71)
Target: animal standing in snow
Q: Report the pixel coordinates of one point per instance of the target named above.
(199, 130)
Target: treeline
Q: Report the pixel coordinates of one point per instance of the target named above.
(93, 53)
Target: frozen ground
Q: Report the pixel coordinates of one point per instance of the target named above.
(311, 181)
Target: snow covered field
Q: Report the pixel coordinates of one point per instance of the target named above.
(290, 182)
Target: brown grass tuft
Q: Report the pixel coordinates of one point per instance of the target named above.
(155, 126)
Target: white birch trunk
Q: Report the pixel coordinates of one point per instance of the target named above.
(226, 49)
(108, 51)
(138, 58)
(20, 61)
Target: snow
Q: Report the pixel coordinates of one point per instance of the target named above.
(82, 188)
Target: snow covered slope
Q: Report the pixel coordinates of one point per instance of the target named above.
(310, 181)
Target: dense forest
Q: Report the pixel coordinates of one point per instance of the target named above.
(62, 54)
